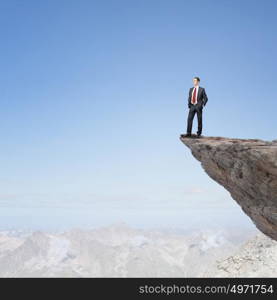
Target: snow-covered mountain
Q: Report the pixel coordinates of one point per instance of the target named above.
(121, 251)
(255, 258)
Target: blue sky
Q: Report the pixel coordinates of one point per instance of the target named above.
(94, 98)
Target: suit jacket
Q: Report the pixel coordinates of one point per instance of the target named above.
(202, 98)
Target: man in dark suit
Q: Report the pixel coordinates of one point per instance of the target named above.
(196, 101)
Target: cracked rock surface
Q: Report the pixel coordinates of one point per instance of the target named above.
(247, 168)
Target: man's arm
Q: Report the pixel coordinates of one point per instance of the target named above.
(205, 97)
(189, 104)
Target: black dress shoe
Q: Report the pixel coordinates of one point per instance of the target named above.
(186, 135)
(198, 136)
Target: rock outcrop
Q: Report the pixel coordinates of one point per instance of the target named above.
(247, 168)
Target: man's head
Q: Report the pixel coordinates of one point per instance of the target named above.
(196, 81)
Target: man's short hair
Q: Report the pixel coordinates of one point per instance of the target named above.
(198, 79)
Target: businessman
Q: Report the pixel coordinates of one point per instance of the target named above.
(196, 101)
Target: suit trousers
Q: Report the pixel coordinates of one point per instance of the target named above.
(195, 108)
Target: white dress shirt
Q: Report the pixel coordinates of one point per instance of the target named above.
(195, 95)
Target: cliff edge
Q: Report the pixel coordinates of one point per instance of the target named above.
(247, 168)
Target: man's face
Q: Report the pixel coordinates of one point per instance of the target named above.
(195, 82)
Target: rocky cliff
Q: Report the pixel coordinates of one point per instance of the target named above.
(247, 168)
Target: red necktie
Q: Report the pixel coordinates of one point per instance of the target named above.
(194, 96)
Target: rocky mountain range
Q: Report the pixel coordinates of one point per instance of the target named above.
(121, 251)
